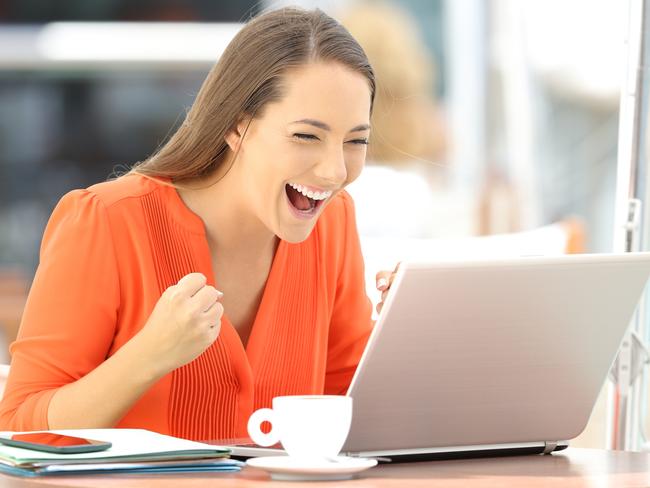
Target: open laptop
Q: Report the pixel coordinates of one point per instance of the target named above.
(489, 357)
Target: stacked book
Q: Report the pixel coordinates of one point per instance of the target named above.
(132, 451)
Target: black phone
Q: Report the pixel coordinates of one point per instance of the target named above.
(56, 443)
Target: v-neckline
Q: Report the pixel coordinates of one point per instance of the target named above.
(254, 330)
(257, 336)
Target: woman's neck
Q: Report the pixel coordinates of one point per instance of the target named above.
(231, 227)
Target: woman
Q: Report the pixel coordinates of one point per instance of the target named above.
(222, 271)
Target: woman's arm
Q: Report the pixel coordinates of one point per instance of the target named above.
(102, 397)
(185, 321)
(61, 375)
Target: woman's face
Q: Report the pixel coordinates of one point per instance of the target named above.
(304, 148)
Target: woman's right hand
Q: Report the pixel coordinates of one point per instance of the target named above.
(184, 323)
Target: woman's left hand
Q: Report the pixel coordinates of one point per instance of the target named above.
(383, 280)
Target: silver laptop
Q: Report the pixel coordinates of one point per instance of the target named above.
(489, 356)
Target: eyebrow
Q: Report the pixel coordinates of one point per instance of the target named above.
(324, 126)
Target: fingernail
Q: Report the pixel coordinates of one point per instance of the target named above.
(220, 294)
(381, 283)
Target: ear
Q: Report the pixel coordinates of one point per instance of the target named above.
(235, 136)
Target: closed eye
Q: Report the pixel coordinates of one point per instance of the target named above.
(305, 137)
(311, 137)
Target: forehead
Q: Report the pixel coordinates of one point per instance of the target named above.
(327, 91)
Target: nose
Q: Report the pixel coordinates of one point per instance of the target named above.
(332, 168)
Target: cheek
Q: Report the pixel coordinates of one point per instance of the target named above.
(267, 161)
(354, 165)
(295, 159)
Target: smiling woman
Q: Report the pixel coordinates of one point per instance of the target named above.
(222, 271)
(280, 147)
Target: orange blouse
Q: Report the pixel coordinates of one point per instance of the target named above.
(107, 255)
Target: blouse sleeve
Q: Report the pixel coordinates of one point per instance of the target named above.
(351, 322)
(71, 313)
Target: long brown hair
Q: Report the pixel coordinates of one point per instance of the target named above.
(246, 78)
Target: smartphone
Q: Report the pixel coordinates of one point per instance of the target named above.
(56, 443)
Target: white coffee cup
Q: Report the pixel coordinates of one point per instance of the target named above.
(309, 426)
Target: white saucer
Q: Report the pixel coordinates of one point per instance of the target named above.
(285, 468)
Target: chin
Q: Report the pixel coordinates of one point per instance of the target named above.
(296, 236)
(293, 232)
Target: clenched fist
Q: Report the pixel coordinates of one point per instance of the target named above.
(184, 323)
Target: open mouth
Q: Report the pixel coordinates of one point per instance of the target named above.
(304, 205)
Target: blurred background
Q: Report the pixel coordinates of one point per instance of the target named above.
(495, 127)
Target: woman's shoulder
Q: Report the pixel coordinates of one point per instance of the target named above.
(125, 189)
(118, 197)
(117, 200)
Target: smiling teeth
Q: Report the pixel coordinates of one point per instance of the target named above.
(314, 195)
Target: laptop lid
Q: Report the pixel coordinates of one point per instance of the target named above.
(492, 352)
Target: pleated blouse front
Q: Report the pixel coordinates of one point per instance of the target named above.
(107, 255)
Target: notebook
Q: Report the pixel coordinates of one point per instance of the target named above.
(132, 451)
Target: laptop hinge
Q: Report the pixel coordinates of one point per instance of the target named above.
(549, 447)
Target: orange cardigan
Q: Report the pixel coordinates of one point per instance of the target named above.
(108, 253)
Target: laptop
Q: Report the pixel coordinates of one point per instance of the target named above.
(489, 357)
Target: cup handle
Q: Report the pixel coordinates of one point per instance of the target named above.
(256, 434)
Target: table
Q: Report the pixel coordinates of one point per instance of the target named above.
(570, 468)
